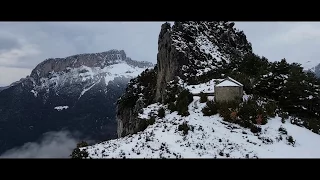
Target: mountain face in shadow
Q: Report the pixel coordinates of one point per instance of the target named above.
(77, 93)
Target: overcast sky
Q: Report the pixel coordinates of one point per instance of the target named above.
(25, 44)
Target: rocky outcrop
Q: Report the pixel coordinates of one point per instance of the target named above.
(139, 93)
(188, 51)
(169, 61)
(127, 120)
(191, 50)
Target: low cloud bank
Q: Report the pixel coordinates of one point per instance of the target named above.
(52, 145)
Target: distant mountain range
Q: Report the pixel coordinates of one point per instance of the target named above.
(77, 93)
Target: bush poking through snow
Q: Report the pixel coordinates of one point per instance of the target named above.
(290, 140)
(184, 127)
(172, 90)
(270, 108)
(234, 115)
(80, 154)
(161, 112)
(144, 123)
(203, 97)
(172, 107)
(210, 109)
(225, 112)
(310, 123)
(151, 120)
(183, 101)
(282, 130)
(225, 109)
(284, 116)
(251, 110)
(279, 138)
(230, 104)
(259, 119)
(255, 129)
(246, 114)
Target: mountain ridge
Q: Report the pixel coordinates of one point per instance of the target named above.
(101, 59)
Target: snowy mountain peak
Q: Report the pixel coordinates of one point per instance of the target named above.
(101, 60)
(85, 69)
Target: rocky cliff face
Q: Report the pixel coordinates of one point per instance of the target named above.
(192, 50)
(139, 93)
(169, 61)
(77, 93)
(187, 52)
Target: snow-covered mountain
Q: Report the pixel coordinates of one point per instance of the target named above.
(77, 93)
(159, 115)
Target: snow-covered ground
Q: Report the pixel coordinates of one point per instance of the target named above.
(207, 87)
(210, 137)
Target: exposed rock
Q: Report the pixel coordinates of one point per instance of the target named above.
(169, 61)
(127, 120)
(188, 51)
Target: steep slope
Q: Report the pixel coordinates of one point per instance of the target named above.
(279, 111)
(192, 52)
(209, 137)
(77, 93)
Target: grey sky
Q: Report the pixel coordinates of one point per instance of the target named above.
(25, 44)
